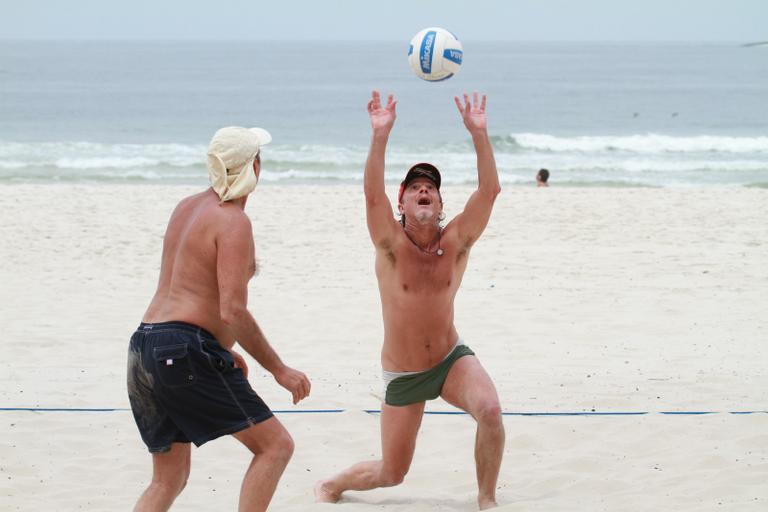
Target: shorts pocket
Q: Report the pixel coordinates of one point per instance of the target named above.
(173, 366)
(220, 358)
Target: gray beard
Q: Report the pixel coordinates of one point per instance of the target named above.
(423, 217)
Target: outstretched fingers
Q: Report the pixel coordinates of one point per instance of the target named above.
(375, 102)
(477, 104)
(391, 103)
(458, 105)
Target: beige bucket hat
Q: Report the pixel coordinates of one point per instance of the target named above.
(230, 160)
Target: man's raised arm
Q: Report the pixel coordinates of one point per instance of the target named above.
(381, 223)
(473, 220)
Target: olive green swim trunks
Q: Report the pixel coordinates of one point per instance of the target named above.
(405, 388)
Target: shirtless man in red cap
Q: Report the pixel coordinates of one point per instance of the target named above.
(419, 266)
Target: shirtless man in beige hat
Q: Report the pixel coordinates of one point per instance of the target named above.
(419, 266)
(185, 383)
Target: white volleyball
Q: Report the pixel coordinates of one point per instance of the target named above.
(435, 54)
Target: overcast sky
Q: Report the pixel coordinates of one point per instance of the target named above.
(397, 20)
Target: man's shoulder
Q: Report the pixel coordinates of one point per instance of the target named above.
(450, 231)
(395, 239)
(228, 218)
(209, 211)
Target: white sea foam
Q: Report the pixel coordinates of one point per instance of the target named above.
(655, 160)
(89, 155)
(648, 143)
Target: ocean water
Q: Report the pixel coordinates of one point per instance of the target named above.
(660, 115)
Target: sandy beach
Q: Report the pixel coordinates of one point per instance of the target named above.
(576, 300)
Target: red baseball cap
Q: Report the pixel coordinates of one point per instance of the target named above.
(420, 170)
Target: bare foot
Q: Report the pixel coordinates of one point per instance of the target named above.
(487, 504)
(323, 495)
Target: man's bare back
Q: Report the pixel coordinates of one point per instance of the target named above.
(188, 286)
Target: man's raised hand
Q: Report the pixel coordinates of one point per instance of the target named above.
(382, 118)
(472, 113)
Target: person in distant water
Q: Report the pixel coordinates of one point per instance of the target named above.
(419, 266)
(542, 177)
(185, 383)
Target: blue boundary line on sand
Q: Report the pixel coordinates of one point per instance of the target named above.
(591, 413)
(436, 413)
(121, 409)
(62, 409)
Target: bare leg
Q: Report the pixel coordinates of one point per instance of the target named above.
(272, 448)
(399, 427)
(170, 471)
(469, 388)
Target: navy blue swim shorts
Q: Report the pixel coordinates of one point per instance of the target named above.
(183, 387)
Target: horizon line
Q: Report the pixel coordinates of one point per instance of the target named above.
(388, 40)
